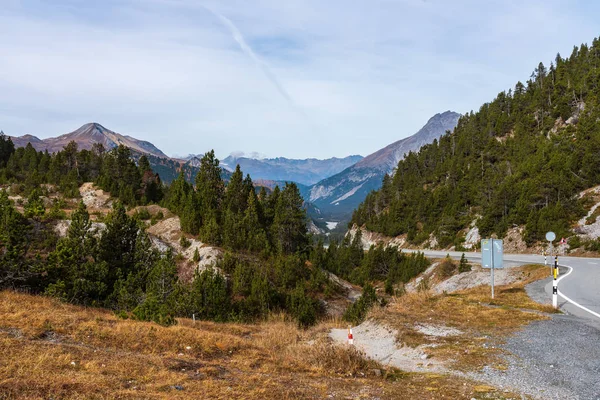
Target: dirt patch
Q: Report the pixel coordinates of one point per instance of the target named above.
(96, 200)
(437, 330)
(477, 277)
(378, 342)
(168, 233)
(153, 209)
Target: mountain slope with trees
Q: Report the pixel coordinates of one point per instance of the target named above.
(270, 262)
(521, 159)
(338, 195)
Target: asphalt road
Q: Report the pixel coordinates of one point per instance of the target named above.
(582, 285)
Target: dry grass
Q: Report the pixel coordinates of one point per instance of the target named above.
(50, 349)
(483, 321)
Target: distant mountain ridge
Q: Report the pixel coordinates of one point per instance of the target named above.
(306, 172)
(275, 170)
(85, 137)
(340, 194)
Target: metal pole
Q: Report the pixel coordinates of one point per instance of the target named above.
(555, 284)
(551, 252)
(492, 250)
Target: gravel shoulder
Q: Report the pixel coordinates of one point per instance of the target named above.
(554, 359)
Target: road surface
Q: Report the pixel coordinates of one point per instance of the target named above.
(582, 285)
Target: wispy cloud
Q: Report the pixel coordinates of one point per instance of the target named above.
(239, 38)
(366, 73)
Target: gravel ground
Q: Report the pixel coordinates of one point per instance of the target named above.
(554, 359)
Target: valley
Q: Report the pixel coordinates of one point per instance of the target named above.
(299, 200)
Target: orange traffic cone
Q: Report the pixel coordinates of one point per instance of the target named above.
(350, 337)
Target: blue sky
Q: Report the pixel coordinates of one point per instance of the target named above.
(294, 78)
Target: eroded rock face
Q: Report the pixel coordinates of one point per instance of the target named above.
(472, 237)
(168, 233)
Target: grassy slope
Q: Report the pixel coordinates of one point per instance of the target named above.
(51, 349)
(483, 321)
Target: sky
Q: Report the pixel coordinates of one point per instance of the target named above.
(290, 78)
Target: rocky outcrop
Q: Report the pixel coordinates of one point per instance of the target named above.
(169, 233)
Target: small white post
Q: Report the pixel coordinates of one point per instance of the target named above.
(551, 252)
(492, 250)
(194, 318)
(555, 284)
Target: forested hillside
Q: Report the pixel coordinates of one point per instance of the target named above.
(520, 160)
(270, 263)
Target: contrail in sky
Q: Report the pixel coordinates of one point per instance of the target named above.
(239, 38)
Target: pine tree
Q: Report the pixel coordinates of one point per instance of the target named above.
(75, 274)
(256, 237)
(210, 190)
(35, 206)
(14, 231)
(289, 224)
(117, 246)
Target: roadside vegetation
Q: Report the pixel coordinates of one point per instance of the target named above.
(64, 351)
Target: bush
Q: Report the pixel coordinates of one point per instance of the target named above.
(302, 307)
(464, 265)
(575, 242)
(447, 268)
(152, 310)
(142, 214)
(358, 310)
(156, 217)
(184, 242)
(56, 211)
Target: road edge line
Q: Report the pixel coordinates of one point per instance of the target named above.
(595, 314)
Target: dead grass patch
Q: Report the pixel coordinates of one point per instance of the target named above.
(51, 349)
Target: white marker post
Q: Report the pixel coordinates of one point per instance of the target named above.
(350, 336)
(555, 284)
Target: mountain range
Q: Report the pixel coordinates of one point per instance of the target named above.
(338, 195)
(85, 137)
(274, 171)
(306, 172)
(334, 187)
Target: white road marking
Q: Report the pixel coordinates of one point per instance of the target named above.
(593, 263)
(595, 314)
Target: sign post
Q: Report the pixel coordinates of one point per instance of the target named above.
(555, 284)
(550, 237)
(492, 256)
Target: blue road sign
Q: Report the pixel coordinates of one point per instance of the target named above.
(492, 252)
